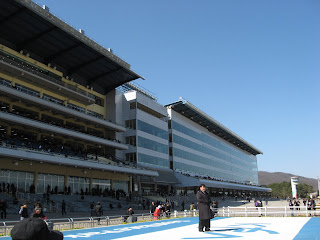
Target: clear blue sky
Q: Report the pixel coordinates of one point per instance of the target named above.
(252, 65)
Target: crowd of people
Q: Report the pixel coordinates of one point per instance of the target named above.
(55, 146)
(58, 122)
(217, 179)
(294, 204)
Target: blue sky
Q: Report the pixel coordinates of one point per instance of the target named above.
(252, 65)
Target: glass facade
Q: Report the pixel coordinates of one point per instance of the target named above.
(76, 183)
(152, 160)
(152, 145)
(120, 185)
(52, 180)
(228, 162)
(21, 180)
(148, 128)
(102, 183)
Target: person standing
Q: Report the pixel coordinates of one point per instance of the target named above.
(99, 211)
(92, 209)
(191, 206)
(24, 212)
(152, 207)
(3, 209)
(63, 207)
(38, 213)
(182, 206)
(203, 200)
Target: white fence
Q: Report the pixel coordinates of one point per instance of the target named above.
(286, 211)
(80, 223)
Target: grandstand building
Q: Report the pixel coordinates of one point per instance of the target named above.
(70, 119)
(57, 102)
(147, 137)
(203, 151)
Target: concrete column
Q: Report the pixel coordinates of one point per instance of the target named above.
(111, 184)
(35, 182)
(40, 115)
(10, 107)
(8, 131)
(169, 188)
(90, 185)
(130, 185)
(155, 188)
(139, 185)
(38, 136)
(65, 183)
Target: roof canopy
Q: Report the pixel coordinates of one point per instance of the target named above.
(26, 26)
(193, 113)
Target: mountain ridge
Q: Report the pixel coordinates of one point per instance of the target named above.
(266, 178)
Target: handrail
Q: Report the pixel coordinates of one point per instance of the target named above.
(10, 86)
(6, 145)
(90, 222)
(20, 116)
(51, 79)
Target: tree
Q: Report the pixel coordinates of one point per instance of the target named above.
(283, 189)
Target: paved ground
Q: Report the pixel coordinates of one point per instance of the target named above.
(297, 228)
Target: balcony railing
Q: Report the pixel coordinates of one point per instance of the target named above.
(51, 79)
(7, 83)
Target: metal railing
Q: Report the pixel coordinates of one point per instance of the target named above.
(48, 98)
(91, 222)
(44, 76)
(100, 159)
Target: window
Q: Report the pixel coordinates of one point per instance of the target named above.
(152, 145)
(131, 140)
(148, 128)
(21, 180)
(152, 160)
(131, 124)
(78, 183)
(131, 157)
(52, 180)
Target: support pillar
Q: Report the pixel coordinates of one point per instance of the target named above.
(65, 183)
(35, 182)
(130, 185)
(155, 188)
(90, 184)
(9, 128)
(139, 185)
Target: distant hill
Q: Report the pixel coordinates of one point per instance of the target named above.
(265, 178)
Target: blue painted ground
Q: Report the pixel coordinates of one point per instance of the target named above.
(222, 228)
(310, 231)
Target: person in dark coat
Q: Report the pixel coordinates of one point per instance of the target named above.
(152, 207)
(205, 215)
(3, 209)
(24, 212)
(99, 211)
(38, 213)
(63, 207)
